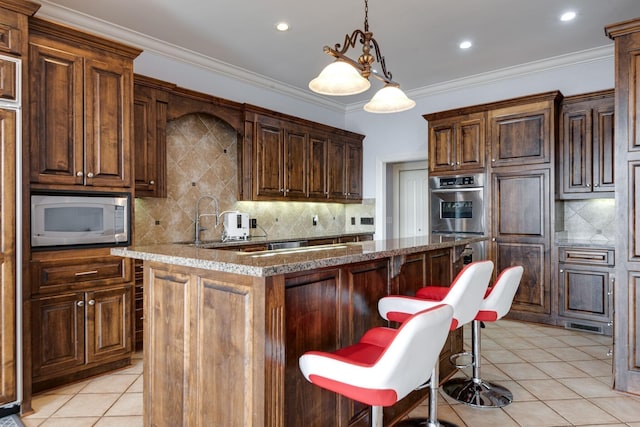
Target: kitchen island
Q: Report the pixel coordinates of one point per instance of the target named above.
(223, 329)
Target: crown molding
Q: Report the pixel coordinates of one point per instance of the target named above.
(158, 47)
(585, 56)
(150, 44)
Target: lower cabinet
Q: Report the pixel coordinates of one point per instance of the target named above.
(80, 329)
(586, 279)
(81, 317)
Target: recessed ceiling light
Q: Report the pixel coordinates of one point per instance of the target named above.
(465, 44)
(568, 16)
(282, 26)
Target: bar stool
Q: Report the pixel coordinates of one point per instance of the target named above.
(474, 391)
(386, 364)
(464, 295)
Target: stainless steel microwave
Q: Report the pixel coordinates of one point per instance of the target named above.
(80, 219)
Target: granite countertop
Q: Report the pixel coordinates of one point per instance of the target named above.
(584, 243)
(274, 262)
(257, 240)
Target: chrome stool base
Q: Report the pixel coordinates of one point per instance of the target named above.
(424, 422)
(478, 393)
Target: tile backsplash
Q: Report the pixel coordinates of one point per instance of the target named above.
(589, 219)
(202, 160)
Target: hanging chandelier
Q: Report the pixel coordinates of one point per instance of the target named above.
(346, 76)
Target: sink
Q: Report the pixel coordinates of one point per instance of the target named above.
(293, 250)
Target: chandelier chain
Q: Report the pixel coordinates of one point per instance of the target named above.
(366, 16)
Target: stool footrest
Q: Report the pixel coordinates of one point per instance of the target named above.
(424, 422)
(478, 393)
(454, 358)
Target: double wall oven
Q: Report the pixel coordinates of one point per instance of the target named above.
(457, 207)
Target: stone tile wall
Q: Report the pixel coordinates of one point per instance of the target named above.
(202, 160)
(589, 219)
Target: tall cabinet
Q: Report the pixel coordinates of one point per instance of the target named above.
(626, 321)
(13, 46)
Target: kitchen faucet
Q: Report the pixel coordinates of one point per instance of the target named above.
(198, 228)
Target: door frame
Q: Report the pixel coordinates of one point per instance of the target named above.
(384, 189)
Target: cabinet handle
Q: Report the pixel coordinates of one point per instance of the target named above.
(610, 293)
(90, 175)
(610, 323)
(86, 273)
(79, 173)
(152, 182)
(91, 302)
(80, 303)
(610, 353)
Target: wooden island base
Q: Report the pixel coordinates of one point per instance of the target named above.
(222, 348)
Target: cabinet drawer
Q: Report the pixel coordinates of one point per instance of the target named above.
(70, 274)
(590, 256)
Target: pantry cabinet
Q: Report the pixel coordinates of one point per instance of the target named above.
(81, 90)
(585, 153)
(456, 143)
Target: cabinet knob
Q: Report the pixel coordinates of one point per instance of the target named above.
(91, 302)
(588, 185)
(79, 173)
(561, 271)
(457, 163)
(493, 239)
(453, 164)
(80, 303)
(90, 175)
(152, 182)
(610, 323)
(493, 160)
(596, 185)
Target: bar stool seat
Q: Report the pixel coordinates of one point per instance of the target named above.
(475, 391)
(465, 295)
(386, 364)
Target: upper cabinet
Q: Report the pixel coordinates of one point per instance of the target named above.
(522, 133)
(585, 154)
(150, 106)
(456, 143)
(81, 93)
(285, 158)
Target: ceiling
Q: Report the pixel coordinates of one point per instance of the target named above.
(419, 38)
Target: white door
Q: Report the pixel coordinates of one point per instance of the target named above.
(410, 199)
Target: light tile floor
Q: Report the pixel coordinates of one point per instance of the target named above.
(558, 378)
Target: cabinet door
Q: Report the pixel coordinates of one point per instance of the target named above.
(269, 159)
(108, 100)
(56, 114)
(442, 155)
(295, 164)
(337, 167)
(318, 166)
(108, 323)
(149, 140)
(470, 140)
(577, 150)
(521, 135)
(57, 334)
(8, 373)
(584, 293)
(8, 79)
(603, 146)
(353, 171)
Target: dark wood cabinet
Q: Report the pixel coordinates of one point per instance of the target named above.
(285, 158)
(586, 280)
(345, 169)
(521, 235)
(150, 104)
(626, 320)
(81, 316)
(585, 154)
(81, 91)
(523, 133)
(138, 300)
(77, 330)
(456, 143)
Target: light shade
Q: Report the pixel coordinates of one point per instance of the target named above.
(389, 99)
(339, 79)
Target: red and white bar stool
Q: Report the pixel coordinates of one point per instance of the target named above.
(474, 391)
(386, 364)
(465, 295)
